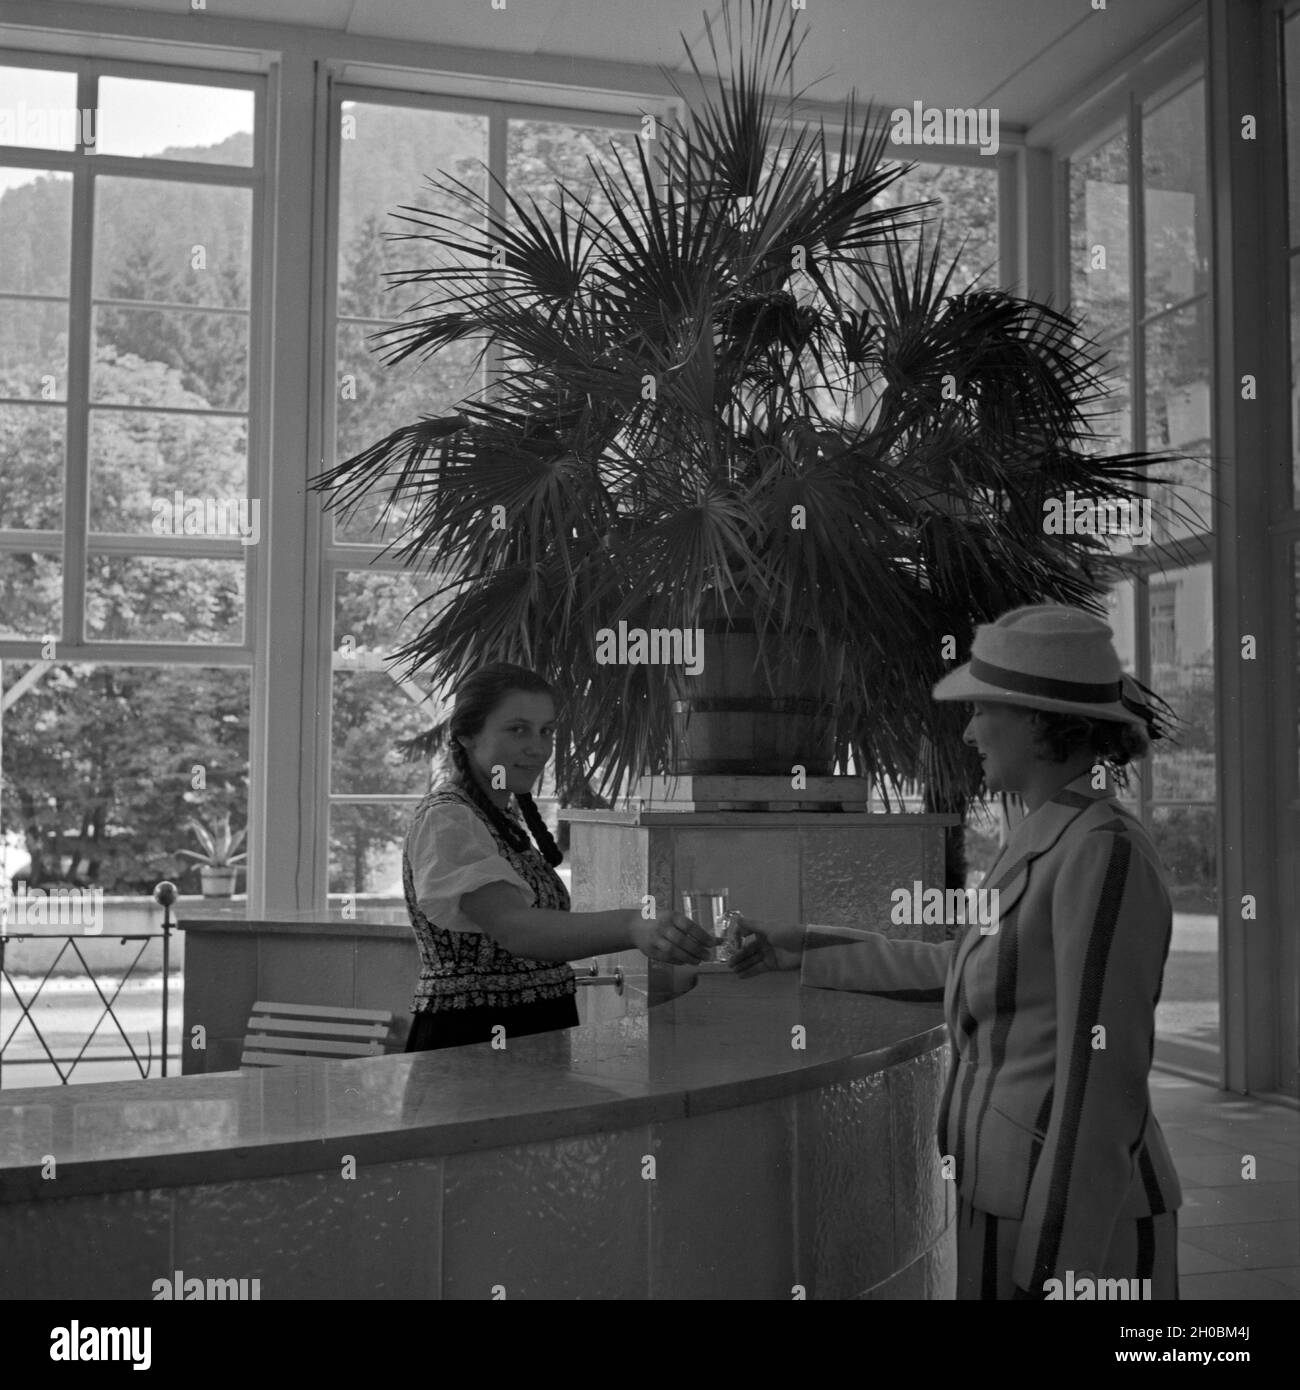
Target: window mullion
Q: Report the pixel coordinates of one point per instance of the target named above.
(76, 468)
(1138, 407)
(498, 132)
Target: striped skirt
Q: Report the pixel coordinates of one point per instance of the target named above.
(1142, 1248)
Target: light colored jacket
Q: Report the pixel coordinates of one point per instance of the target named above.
(1051, 1012)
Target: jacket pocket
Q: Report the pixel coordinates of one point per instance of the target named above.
(1027, 1129)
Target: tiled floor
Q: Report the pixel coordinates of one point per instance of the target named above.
(1238, 1236)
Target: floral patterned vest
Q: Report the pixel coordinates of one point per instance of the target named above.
(466, 970)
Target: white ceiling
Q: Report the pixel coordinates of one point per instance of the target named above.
(1022, 56)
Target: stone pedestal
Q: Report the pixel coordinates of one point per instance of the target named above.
(802, 858)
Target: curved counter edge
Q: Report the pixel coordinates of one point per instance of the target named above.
(319, 1151)
(819, 1179)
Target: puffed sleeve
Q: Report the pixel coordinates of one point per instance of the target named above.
(846, 958)
(452, 853)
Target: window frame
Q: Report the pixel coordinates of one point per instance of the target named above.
(1130, 105)
(338, 556)
(74, 543)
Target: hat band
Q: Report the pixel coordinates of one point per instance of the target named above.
(1080, 692)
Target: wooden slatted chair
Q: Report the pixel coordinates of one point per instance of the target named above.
(280, 1034)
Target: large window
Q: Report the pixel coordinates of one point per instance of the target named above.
(129, 515)
(387, 150)
(1138, 276)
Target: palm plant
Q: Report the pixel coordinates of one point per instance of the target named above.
(731, 384)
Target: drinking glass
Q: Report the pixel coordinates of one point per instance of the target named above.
(708, 907)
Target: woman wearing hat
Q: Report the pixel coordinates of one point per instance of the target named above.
(1059, 1163)
(490, 914)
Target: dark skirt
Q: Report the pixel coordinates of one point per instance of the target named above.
(459, 1027)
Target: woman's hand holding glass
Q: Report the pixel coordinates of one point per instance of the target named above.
(763, 946)
(671, 939)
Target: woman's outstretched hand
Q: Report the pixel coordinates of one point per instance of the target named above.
(765, 946)
(671, 940)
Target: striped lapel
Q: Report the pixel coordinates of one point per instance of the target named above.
(1034, 836)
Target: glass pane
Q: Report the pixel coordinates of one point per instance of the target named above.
(541, 155)
(374, 400)
(386, 155)
(32, 451)
(369, 714)
(968, 204)
(175, 120)
(375, 613)
(1187, 1017)
(1182, 671)
(148, 733)
(155, 599)
(983, 840)
(375, 705)
(40, 110)
(172, 243)
(1122, 619)
(34, 348)
(1099, 228)
(31, 598)
(1178, 419)
(1176, 206)
(1295, 638)
(35, 231)
(174, 357)
(1111, 415)
(1291, 65)
(139, 461)
(366, 849)
(1185, 837)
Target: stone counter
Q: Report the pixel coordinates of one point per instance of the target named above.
(687, 1152)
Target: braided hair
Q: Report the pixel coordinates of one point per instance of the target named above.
(476, 697)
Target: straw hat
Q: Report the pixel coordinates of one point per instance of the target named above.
(1047, 657)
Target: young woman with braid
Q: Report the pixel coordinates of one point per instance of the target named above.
(490, 914)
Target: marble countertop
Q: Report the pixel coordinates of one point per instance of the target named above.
(727, 1042)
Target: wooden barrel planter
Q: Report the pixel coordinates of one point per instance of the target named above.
(726, 720)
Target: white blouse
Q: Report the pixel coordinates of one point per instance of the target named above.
(452, 853)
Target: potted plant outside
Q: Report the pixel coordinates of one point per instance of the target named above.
(218, 862)
(739, 395)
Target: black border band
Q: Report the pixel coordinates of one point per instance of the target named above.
(1082, 692)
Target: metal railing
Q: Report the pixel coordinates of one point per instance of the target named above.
(165, 894)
